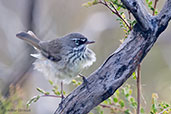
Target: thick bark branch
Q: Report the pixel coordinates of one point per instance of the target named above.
(164, 17)
(138, 9)
(121, 64)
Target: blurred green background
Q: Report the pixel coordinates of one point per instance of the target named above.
(54, 18)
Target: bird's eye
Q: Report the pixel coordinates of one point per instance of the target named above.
(77, 42)
(80, 41)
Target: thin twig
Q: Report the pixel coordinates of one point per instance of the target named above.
(45, 95)
(114, 10)
(112, 107)
(138, 89)
(105, 4)
(155, 4)
(118, 14)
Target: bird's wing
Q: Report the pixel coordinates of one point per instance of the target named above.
(51, 49)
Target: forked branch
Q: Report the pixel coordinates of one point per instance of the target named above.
(122, 63)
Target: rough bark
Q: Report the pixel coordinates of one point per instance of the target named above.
(122, 63)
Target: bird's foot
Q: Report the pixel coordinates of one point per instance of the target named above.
(62, 94)
(62, 97)
(85, 81)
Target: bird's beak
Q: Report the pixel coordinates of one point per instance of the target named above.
(90, 42)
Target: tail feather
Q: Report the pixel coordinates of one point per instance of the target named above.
(30, 38)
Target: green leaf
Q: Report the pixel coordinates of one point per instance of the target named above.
(133, 23)
(50, 81)
(33, 99)
(127, 95)
(37, 98)
(118, 19)
(77, 83)
(118, 8)
(127, 111)
(30, 101)
(118, 4)
(130, 92)
(156, 12)
(56, 92)
(167, 105)
(47, 93)
(115, 99)
(122, 104)
(105, 102)
(134, 104)
(64, 92)
(134, 76)
(101, 112)
(74, 81)
(142, 111)
(154, 109)
(122, 13)
(90, 3)
(150, 3)
(41, 90)
(152, 8)
(132, 100)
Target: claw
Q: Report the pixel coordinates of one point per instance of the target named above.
(85, 81)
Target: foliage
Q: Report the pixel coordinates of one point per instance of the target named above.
(90, 3)
(124, 102)
(159, 107)
(151, 7)
(55, 91)
(121, 102)
(76, 83)
(13, 104)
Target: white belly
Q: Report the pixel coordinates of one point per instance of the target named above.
(60, 71)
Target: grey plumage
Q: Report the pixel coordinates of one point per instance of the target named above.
(62, 58)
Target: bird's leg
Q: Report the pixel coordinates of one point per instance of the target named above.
(62, 94)
(85, 81)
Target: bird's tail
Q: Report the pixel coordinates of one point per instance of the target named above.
(30, 38)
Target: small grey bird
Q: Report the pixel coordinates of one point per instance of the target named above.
(62, 58)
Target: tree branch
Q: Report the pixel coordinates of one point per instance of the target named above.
(139, 11)
(138, 89)
(164, 17)
(121, 64)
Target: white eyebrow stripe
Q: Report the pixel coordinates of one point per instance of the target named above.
(83, 39)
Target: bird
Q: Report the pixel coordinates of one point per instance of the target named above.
(60, 59)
